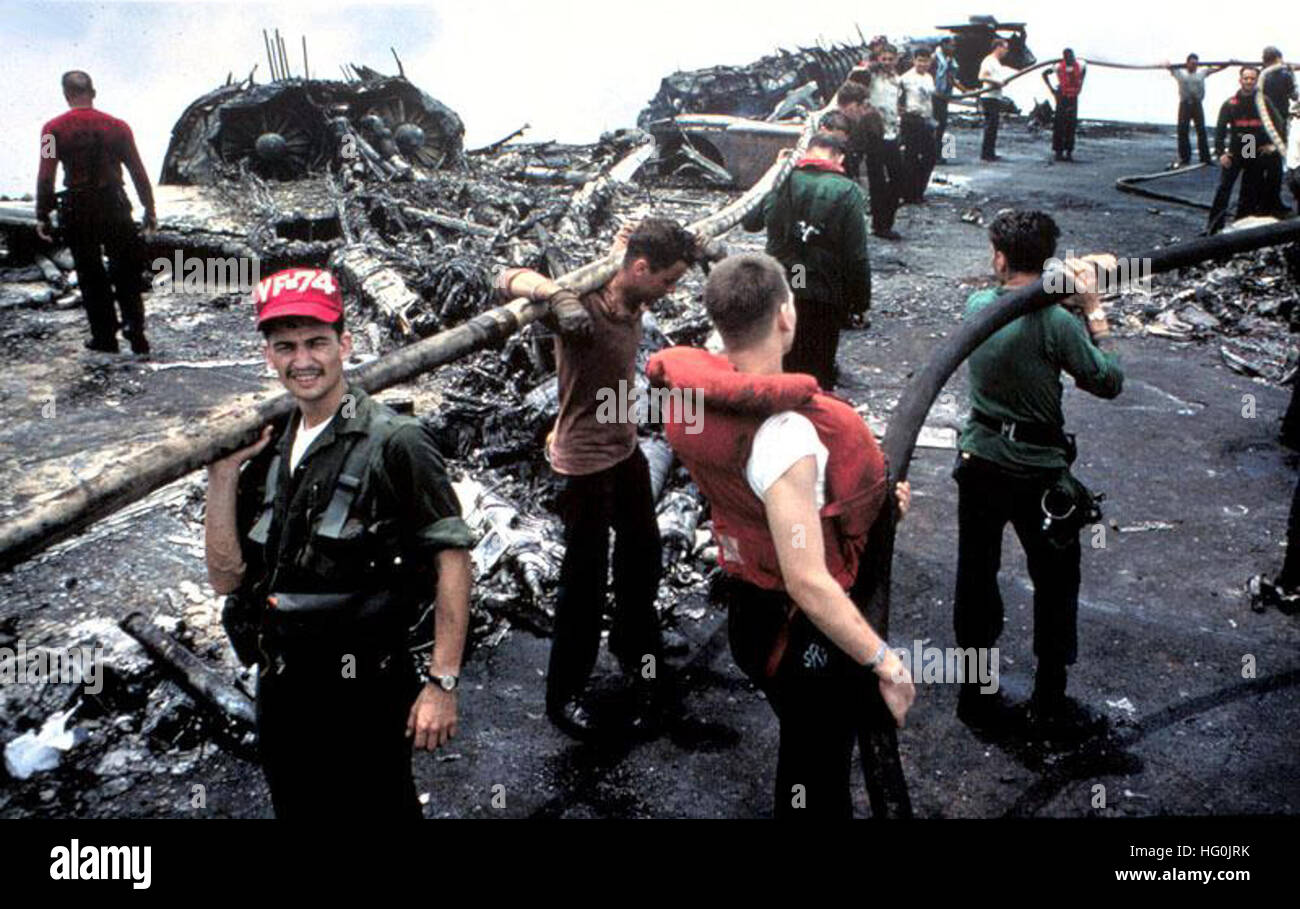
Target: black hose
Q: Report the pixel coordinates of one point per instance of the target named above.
(1129, 185)
(888, 788)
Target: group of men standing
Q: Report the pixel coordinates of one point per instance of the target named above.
(1244, 146)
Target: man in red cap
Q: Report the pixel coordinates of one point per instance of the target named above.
(340, 526)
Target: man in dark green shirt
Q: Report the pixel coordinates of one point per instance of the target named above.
(817, 228)
(1013, 449)
(329, 540)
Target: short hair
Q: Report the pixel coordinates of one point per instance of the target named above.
(1000, 42)
(661, 242)
(1251, 67)
(851, 93)
(1196, 57)
(77, 83)
(829, 141)
(885, 48)
(837, 121)
(923, 52)
(1068, 52)
(947, 41)
(1271, 53)
(288, 323)
(742, 295)
(1026, 238)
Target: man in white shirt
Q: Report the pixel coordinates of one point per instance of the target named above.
(993, 75)
(884, 162)
(1191, 94)
(791, 580)
(916, 127)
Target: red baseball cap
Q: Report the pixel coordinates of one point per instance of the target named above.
(310, 292)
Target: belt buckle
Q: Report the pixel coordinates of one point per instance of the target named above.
(1008, 430)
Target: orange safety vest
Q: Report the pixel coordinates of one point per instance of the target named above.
(716, 449)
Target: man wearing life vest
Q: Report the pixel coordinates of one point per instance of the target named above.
(1070, 74)
(795, 481)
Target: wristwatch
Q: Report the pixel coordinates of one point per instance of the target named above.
(445, 682)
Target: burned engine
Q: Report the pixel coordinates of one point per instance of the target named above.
(292, 128)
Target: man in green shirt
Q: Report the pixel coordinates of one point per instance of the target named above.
(330, 532)
(817, 228)
(1013, 449)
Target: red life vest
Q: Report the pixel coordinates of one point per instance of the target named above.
(1069, 79)
(717, 447)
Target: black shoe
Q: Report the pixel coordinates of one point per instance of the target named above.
(1064, 718)
(1060, 156)
(988, 712)
(574, 719)
(990, 157)
(1069, 156)
(102, 346)
(887, 234)
(1265, 593)
(139, 344)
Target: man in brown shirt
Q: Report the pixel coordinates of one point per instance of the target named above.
(605, 480)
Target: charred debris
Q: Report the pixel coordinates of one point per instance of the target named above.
(369, 175)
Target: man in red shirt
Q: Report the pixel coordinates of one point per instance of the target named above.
(94, 212)
(1070, 74)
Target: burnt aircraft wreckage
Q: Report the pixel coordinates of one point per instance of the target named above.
(289, 129)
(309, 171)
(725, 123)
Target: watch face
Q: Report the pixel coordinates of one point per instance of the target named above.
(448, 682)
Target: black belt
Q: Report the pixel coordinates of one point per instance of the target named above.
(1029, 433)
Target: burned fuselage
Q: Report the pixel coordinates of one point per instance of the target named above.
(292, 128)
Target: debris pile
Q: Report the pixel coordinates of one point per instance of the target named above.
(1246, 304)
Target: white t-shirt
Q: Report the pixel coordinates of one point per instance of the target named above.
(781, 441)
(302, 439)
(993, 70)
(918, 89)
(883, 96)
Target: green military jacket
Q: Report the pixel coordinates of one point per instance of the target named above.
(817, 228)
(1016, 375)
(403, 512)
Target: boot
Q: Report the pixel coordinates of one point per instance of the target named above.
(987, 711)
(1054, 715)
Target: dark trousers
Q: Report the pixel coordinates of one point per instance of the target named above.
(1290, 576)
(1064, 124)
(885, 180)
(97, 223)
(1270, 193)
(823, 701)
(816, 339)
(1251, 171)
(1192, 112)
(992, 108)
(918, 155)
(940, 108)
(333, 746)
(618, 499)
(987, 499)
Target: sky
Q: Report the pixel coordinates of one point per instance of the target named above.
(572, 69)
